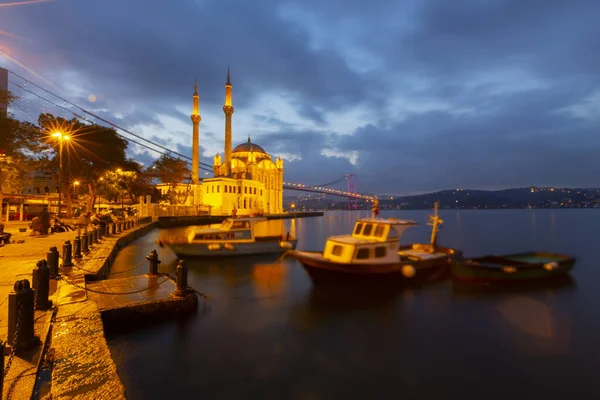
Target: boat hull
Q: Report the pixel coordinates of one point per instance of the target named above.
(324, 271)
(233, 250)
(512, 268)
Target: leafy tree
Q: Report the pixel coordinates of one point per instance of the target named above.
(91, 151)
(21, 150)
(173, 172)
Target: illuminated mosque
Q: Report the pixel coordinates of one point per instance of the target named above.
(246, 179)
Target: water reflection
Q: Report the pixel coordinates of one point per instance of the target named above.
(551, 285)
(271, 333)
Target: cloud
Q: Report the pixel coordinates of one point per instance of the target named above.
(410, 96)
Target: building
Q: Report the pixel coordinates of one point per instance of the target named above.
(246, 179)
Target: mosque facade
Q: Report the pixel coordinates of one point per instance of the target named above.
(246, 179)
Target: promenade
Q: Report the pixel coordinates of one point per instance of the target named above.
(17, 261)
(73, 350)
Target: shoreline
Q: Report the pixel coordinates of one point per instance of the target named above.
(73, 358)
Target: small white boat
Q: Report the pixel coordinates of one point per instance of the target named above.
(234, 237)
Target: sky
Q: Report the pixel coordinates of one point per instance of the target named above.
(412, 96)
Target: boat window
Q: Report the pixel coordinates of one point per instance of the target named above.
(337, 250)
(199, 237)
(379, 251)
(358, 228)
(368, 229)
(379, 230)
(362, 254)
(240, 225)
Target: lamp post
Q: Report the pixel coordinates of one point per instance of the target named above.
(61, 137)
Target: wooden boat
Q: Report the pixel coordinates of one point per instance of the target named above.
(234, 237)
(513, 267)
(372, 253)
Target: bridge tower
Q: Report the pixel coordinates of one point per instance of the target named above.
(228, 110)
(195, 117)
(351, 189)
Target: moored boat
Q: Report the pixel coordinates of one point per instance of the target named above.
(513, 267)
(234, 237)
(372, 252)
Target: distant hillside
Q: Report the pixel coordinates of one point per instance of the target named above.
(508, 198)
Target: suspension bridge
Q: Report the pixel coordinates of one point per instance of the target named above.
(28, 93)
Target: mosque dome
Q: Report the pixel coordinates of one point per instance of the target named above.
(248, 147)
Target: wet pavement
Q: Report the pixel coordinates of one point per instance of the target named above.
(82, 363)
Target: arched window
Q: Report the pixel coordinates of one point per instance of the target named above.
(244, 203)
(254, 190)
(225, 188)
(218, 189)
(245, 190)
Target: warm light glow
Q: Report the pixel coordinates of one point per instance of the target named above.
(119, 170)
(76, 183)
(57, 135)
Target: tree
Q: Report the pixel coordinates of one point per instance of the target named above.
(91, 151)
(21, 150)
(173, 172)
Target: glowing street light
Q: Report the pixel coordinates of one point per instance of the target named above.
(61, 138)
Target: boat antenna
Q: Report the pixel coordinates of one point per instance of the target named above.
(375, 208)
(434, 221)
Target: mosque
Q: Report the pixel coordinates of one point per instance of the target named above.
(246, 180)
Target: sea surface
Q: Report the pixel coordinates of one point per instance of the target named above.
(268, 333)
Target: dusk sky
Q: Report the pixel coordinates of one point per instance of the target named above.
(412, 96)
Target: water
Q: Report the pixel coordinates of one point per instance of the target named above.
(268, 333)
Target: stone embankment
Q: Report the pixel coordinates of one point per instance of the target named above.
(72, 333)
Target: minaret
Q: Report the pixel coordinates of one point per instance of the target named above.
(228, 110)
(196, 136)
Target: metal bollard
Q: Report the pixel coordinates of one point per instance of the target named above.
(77, 247)
(52, 260)
(20, 312)
(67, 254)
(94, 236)
(100, 232)
(84, 243)
(113, 228)
(119, 227)
(153, 262)
(182, 271)
(41, 283)
(90, 239)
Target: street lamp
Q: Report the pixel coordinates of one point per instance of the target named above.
(61, 138)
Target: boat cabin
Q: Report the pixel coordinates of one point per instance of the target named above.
(372, 241)
(230, 229)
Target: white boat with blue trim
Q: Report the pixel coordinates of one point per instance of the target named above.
(234, 237)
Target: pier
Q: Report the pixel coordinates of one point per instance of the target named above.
(63, 343)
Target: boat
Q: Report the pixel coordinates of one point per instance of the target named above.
(372, 253)
(513, 267)
(234, 237)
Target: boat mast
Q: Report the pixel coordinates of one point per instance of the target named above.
(375, 208)
(434, 221)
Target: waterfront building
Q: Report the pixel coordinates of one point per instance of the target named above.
(246, 179)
